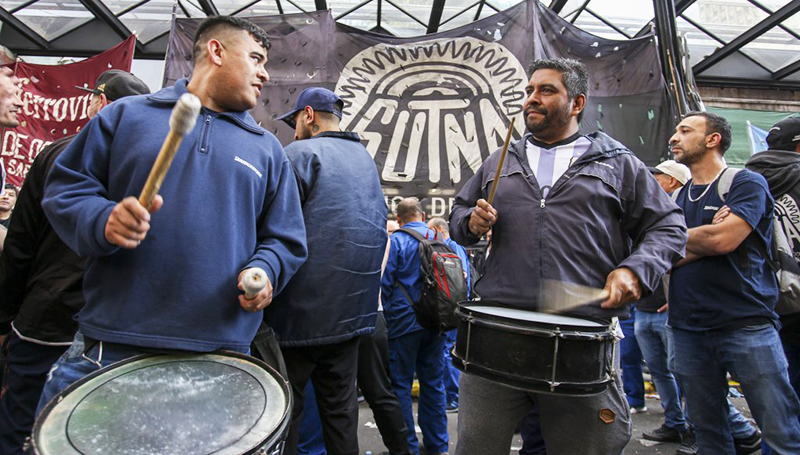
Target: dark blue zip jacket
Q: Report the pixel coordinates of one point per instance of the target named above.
(334, 295)
(230, 202)
(605, 212)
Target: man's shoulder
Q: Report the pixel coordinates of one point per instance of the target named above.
(745, 177)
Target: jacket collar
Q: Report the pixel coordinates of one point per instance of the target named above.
(340, 135)
(602, 146)
(170, 95)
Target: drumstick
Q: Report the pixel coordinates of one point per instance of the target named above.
(559, 296)
(181, 122)
(253, 281)
(500, 164)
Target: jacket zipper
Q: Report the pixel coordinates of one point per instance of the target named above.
(204, 136)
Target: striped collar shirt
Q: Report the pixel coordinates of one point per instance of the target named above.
(549, 164)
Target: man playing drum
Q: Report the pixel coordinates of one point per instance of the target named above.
(580, 209)
(168, 282)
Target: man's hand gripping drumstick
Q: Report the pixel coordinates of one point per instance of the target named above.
(484, 216)
(257, 289)
(129, 221)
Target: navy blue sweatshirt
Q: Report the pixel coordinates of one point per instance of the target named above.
(230, 202)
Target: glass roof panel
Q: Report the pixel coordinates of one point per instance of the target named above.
(193, 8)
(700, 44)
(590, 24)
(793, 23)
(774, 49)
(118, 6)
(630, 19)
(729, 18)
(150, 20)
(298, 6)
(571, 7)
(9, 5)
(364, 18)
(455, 7)
(262, 8)
(51, 19)
(455, 20)
(397, 22)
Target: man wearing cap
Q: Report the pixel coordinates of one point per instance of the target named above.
(168, 277)
(40, 285)
(333, 298)
(780, 165)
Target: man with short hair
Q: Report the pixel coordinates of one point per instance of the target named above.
(575, 208)
(722, 296)
(40, 286)
(333, 298)
(152, 283)
(780, 166)
(413, 348)
(10, 106)
(8, 199)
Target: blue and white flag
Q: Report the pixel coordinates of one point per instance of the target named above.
(757, 137)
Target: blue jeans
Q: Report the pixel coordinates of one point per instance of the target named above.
(421, 351)
(654, 342)
(632, 381)
(793, 357)
(311, 440)
(451, 373)
(755, 356)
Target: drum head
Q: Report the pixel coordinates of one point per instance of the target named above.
(532, 316)
(225, 404)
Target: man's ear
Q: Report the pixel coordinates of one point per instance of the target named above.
(214, 50)
(578, 104)
(310, 115)
(104, 101)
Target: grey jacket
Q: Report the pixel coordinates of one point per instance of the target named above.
(605, 212)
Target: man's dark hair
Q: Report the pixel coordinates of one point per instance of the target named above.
(214, 24)
(10, 186)
(407, 208)
(715, 124)
(574, 75)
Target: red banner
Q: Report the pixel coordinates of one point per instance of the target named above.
(53, 107)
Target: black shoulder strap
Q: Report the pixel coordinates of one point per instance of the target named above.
(413, 233)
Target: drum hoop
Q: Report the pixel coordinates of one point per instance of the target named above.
(534, 328)
(270, 439)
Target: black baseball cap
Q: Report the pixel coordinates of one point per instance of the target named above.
(319, 99)
(784, 135)
(116, 84)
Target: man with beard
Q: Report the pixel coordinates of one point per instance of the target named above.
(570, 207)
(723, 294)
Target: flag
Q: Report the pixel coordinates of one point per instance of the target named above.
(757, 137)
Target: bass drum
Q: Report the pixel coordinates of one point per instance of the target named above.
(536, 352)
(223, 403)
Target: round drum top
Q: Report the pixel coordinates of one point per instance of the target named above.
(167, 404)
(532, 316)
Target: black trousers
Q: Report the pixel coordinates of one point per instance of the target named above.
(332, 370)
(375, 384)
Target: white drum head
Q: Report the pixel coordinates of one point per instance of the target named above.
(532, 316)
(167, 404)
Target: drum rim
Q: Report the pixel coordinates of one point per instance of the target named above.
(269, 441)
(464, 307)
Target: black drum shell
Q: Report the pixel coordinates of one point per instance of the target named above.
(522, 354)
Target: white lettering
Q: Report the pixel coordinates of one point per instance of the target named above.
(252, 168)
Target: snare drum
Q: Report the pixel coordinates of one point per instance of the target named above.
(222, 403)
(532, 351)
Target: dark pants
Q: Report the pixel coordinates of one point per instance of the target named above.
(376, 385)
(531, 432)
(26, 370)
(332, 371)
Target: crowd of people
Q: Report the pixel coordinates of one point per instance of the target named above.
(683, 251)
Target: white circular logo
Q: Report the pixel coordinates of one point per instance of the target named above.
(446, 100)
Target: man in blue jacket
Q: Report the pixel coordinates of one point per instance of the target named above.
(413, 348)
(333, 298)
(168, 281)
(575, 208)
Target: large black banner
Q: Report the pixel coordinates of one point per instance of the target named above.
(430, 109)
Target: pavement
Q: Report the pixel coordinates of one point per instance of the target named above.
(370, 440)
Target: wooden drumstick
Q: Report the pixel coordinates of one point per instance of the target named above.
(253, 281)
(500, 164)
(181, 122)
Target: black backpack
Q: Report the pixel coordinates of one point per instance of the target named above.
(443, 284)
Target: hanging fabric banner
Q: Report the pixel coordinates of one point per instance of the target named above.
(52, 106)
(431, 109)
